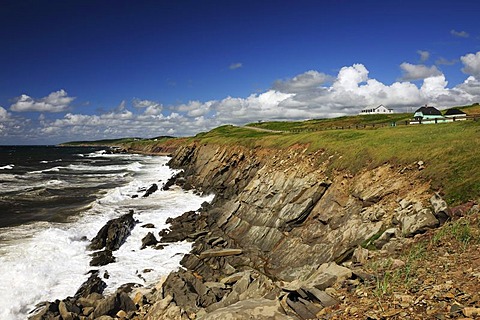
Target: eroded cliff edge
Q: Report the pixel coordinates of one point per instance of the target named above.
(279, 227)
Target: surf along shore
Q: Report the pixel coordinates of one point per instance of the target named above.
(329, 225)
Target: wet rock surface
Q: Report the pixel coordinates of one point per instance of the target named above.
(287, 238)
(149, 240)
(114, 233)
(153, 188)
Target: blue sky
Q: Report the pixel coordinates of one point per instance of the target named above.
(76, 70)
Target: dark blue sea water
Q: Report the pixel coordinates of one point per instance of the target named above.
(51, 198)
(39, 183)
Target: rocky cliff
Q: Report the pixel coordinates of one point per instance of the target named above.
(280, 226)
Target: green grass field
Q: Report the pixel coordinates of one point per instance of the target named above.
(450, 151)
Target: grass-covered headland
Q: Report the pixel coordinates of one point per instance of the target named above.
(450, 151)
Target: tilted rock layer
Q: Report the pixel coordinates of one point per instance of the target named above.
(282, 214)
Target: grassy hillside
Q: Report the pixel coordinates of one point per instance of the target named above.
(117, 142)
(333, 123)
(449, 151)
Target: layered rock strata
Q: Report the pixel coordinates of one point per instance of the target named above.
(283, 217)
(281, 229)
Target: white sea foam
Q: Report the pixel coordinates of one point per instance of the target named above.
(7, 167)
(56, 160)
(54, 169)
(104, 154)
(134, 166)
(46, 261)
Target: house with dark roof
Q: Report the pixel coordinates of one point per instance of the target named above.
(428, 114)
(455, 114)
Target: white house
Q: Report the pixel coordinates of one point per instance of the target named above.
(381, 109)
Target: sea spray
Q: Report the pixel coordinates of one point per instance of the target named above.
(41, 261)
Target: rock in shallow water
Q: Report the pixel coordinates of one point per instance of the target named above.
(114, 233)
(101, 258)
(151, 190)
(149, 240)
(93, 285)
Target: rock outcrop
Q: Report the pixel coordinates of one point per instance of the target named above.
(114, 233)
(284, 227)
(89, 303)
(285, 218)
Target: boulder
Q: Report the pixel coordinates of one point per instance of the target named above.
(64, 312)
(440, 208)
(114, 233)
(170, 182)
(303, 308)
(360, 255)
(101, 258)
(181, 227)
(419, 222)
(231, 279)
(149, 240)
(105, 307)
(150, 190)
(93, 285)
(111, 305)
(148, 225)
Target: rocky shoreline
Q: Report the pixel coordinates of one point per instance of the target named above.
(282, 232)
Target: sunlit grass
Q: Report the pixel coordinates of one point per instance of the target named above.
(449, 151)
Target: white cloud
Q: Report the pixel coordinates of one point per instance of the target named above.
(305, 96)
(471, 64)
(460, 34)
(424, 55)
(413, 72)
(470, 86)
(4, 115)
(151, 107)
(195, 108)
(304, 82)
(57, 101)
(236, 65)
(308, 95)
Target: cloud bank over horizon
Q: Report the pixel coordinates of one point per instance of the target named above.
(312, 94)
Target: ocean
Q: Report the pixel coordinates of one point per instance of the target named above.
(51, 198)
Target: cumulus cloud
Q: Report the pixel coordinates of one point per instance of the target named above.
(470, 86)
(460, 34)
(471, 64)
(195, 108)
(413, 72)
(236, 65)
(424, 55)
(309, 80)
(57, 101)
(308, 95)
(3, 114)
(11, 126)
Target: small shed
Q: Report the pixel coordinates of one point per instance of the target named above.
(455, 113)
